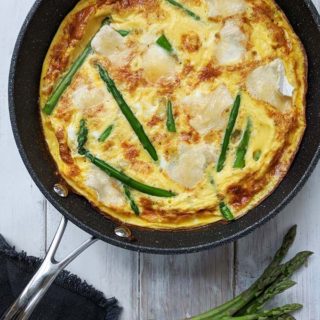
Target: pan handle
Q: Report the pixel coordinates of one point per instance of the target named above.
(25, 304)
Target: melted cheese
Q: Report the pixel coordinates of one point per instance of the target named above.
(72, 136)
(231, 47)
(270, 84)
(213, 60)
(84, 98)
(225, 8)
(157, 64)
(112, 45)
(189, 167)
(106, 188)
(208, 110)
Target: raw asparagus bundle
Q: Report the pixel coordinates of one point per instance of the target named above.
(274, 280)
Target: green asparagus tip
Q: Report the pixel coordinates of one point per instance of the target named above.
(123, 33)
(242, 148)
(171, 125)
(105, 134)
(226, 212)
(127, 112)
(230, 126)
(132, 202)
(257, 155)
(164, 43)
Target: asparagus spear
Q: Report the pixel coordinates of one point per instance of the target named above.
(230, 126)
(226, 212)
(164, 43)
(186, 10)
(66, 80)
(114, 173)
(285, 271)
(275, 289)
(132, 203)
(276, 312)
(241, 152)
(270, 274)
(123, 33)
(283, 250)
(257, 155)
(284, 317)
(82, 136)
(294, 264)
(127, 112)
(171, 126)
(105, 134)
(134, 184)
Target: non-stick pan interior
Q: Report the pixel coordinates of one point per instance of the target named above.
(32, 45)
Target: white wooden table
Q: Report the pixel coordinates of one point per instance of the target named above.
(149, 286)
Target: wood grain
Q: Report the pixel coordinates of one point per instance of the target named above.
(111, 270)
(22, 206)
(176, 287)
(255, 251)
(149, 286)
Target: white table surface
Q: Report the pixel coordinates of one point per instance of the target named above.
(150, 286)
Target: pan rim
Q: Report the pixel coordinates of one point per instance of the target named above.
(134, 246)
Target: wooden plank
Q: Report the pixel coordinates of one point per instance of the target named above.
(255, 251)
(172, 287)
(112, 270)
(175, 287)
(22, 219)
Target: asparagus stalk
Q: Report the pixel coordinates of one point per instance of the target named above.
(114, 173)
(171, 126)
(257, 155)
(284, 317)
(164, 43)
(294, 264)
(226, 212)
(182, 7)
(134, 184)
(276, 312)
(229, 129)
(284, 272)
(275, 289)
(123, 33)
(67, 79)
(279, 284)
(132, 203)
(283, 250)
(82, 136)
(241, 152)
(270, 274)
(127, 112)
(105, 134)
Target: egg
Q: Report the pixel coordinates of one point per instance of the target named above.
(178, 71)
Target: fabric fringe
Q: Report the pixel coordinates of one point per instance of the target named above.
(65, 280)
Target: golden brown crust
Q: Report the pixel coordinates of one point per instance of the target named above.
(72, 33)
(246, 191)
(209, 72)
(190, 42)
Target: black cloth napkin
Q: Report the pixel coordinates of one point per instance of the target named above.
(69, 298)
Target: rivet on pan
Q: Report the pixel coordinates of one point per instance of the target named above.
(60, 190)
(123, 232)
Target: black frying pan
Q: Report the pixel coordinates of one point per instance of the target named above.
(32, 45)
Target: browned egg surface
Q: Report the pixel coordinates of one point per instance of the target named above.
(244, 47)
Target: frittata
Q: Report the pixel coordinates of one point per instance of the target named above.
(174, 114)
